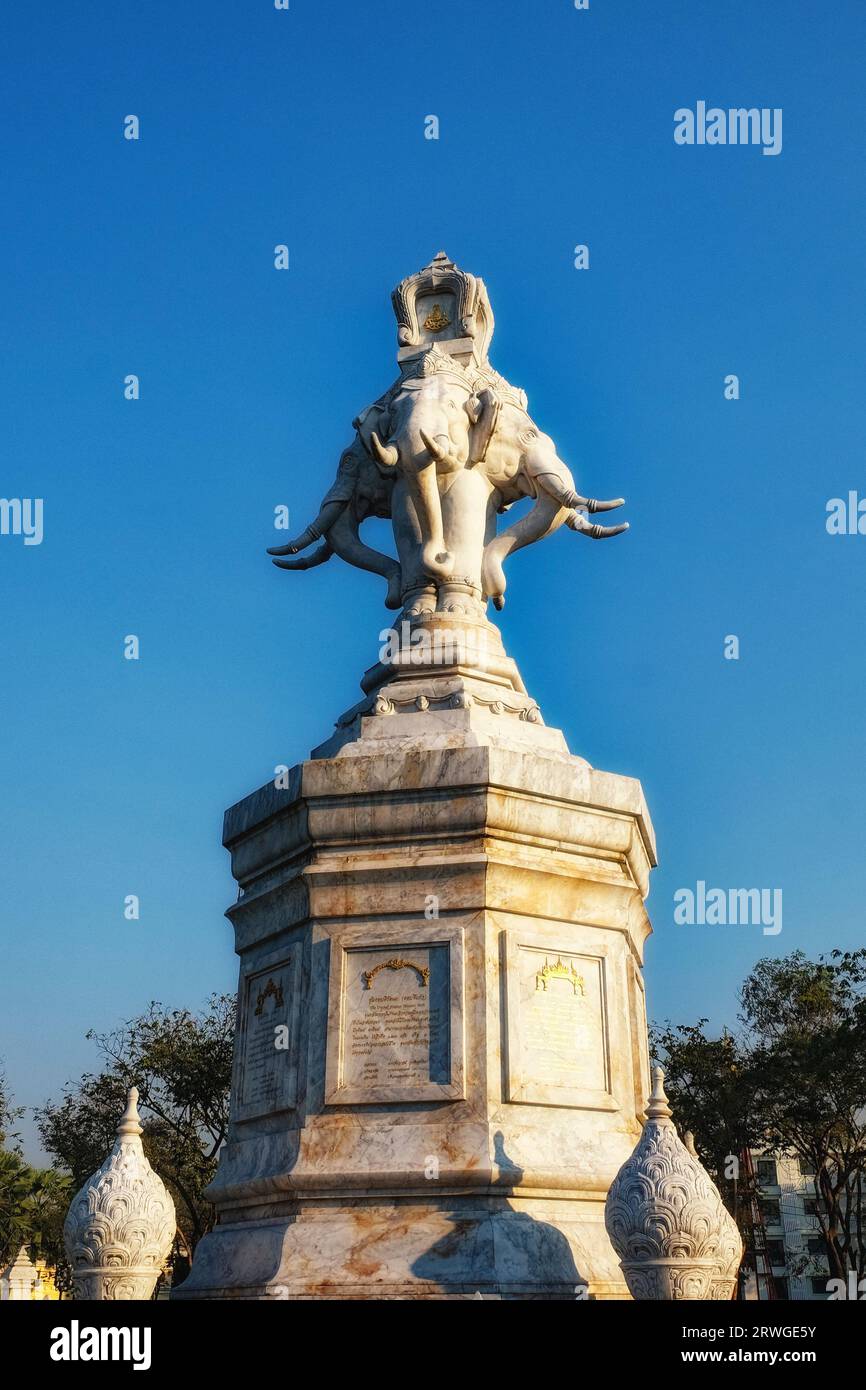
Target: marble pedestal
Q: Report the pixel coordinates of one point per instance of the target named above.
(441, 1059)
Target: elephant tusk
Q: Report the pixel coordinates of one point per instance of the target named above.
(601, 533)
(592, 504)
(312, 533)
(307, 562)
(577, 522)
(436, 452)
(386, 455)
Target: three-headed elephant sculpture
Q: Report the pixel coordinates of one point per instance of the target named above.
(467, 449)
(442, 453)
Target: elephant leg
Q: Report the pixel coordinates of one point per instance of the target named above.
(343, 536)
(545, 517)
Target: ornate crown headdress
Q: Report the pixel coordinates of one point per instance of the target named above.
(468, 327)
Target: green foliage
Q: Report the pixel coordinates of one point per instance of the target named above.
(33, 1201)
(181, 1064)
(711, 1084)
(807, 1022)
(8, 1115)
(16, 1186)
(793, 1083)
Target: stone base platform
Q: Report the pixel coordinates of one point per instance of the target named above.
(441, 1058)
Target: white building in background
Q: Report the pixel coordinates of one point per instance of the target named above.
(788, 1200)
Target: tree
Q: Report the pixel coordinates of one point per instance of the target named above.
(16, 1183)
(181, 1064)
(711, 1085)
(793, 1083)
(33, 1201)
(807, 1021)
(8, 1115)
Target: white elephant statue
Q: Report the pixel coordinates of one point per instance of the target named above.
(442, 453)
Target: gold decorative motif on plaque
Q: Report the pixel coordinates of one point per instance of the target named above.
(397, 963)
(558, 972)
(270, 991)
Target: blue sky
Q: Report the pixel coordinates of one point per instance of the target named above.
(155, 257)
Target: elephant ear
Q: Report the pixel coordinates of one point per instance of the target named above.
(483, 409)
(376, 418)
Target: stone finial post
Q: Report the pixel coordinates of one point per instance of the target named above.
(19, 1280)
(665, 1218)
(120, 1226)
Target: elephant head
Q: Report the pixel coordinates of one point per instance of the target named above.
(425, 435)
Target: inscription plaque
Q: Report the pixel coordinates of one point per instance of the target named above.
(268, 1045)
(394, 1025)
(557, 1028)
(562, 1043)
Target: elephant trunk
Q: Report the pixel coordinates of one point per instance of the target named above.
(418, 466)
(424, 492)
